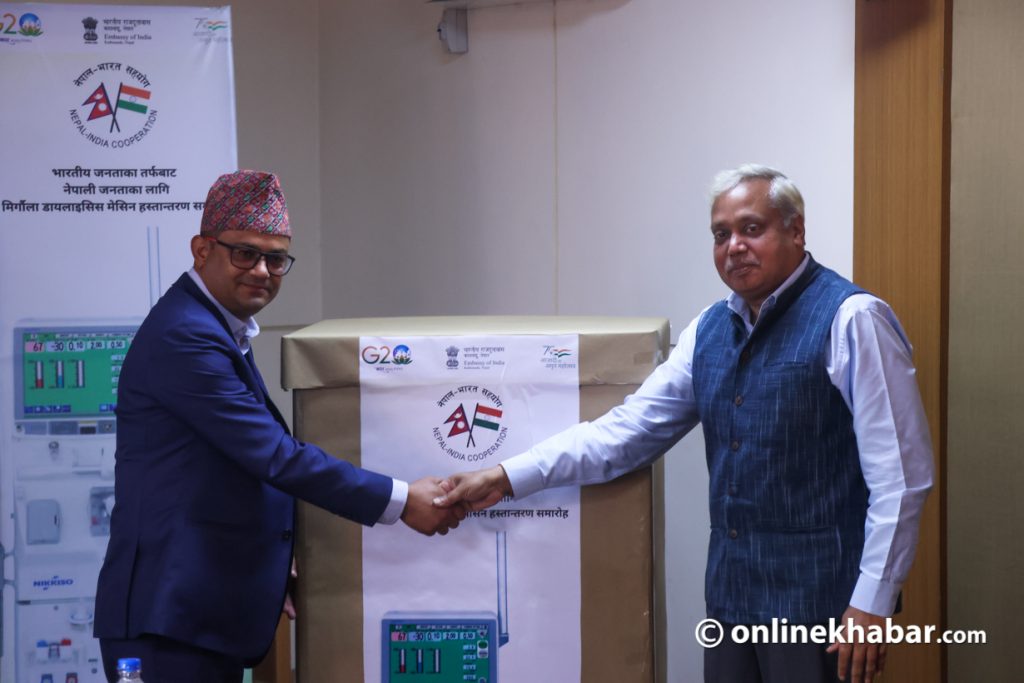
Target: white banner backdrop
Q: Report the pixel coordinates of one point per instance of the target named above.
(115, 120)
(436, 405)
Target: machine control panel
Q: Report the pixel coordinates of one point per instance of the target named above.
(439, 647)
(66, 379)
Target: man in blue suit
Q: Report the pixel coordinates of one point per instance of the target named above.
(817, 445)
(197, 568)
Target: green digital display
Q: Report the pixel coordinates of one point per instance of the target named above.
(440, 651)
(70, 373)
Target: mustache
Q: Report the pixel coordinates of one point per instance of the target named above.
(734, 265)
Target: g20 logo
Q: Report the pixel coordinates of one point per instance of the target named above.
(385, 355)
(27, 25)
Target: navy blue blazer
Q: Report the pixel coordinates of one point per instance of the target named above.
(206, 478)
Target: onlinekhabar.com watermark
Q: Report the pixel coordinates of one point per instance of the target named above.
(710, 632)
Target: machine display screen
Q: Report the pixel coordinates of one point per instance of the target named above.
(69, 373)
(440, 650)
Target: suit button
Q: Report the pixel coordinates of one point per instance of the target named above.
(732, 490)
(738, 400)
(286, 535)
(733, 533)
(745, 356)
(735, 446)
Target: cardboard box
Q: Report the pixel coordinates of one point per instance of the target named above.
(321, 363)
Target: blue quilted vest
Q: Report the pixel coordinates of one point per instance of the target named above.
(788, 499)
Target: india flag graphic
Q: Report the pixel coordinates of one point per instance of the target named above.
(131, 105)
(489, 419)
(486, 417)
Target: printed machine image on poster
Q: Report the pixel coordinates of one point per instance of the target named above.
(448, 647)
(438, 647)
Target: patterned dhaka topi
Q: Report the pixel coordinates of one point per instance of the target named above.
(246, 200)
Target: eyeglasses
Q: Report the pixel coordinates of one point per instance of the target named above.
(247, 258)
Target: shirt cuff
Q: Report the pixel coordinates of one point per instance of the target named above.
(523, 474)
(874, 596)
(399, 494)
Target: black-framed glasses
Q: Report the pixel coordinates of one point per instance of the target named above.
(246, 258)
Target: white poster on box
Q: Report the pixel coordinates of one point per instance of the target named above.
(431, 406)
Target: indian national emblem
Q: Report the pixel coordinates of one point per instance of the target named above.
(90, 30)
(453, 360)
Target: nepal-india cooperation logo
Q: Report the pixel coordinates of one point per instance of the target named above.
(117, 116)
(472, 430)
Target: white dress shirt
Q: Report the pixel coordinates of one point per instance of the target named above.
(868, 360)
(244, 331)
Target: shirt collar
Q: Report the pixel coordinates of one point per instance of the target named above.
(244, 331)
(738, 306)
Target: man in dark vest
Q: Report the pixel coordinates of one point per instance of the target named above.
(817, 445)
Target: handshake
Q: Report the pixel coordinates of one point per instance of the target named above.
(436, 505)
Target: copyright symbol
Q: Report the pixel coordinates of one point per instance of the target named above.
(709, 633)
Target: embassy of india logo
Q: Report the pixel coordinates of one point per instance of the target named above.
(116, 121)
(453, 357)
(471, 439)
(90, 36)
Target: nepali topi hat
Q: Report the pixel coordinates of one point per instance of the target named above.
(246, 200)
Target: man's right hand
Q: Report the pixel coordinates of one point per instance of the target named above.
(421, 515)
(474, 490)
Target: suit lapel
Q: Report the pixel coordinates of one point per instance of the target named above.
(251, 360)
(193, 290)
(252, 375)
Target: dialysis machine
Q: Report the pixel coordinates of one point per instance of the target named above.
(62, 450)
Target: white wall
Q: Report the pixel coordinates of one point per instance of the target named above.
(560, 167)
(438, 172)
(278, 117)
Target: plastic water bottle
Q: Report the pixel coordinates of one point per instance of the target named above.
(129, 670)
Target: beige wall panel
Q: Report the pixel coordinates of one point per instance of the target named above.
(986, 334)
(900, 244)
